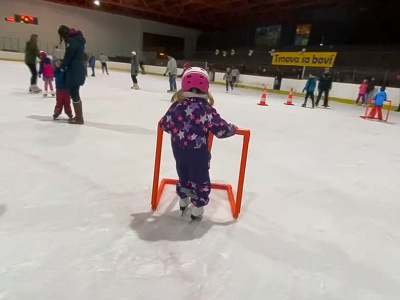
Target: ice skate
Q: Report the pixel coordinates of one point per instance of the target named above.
(303, 105)
(34, 89)
(55, 116)
(45, 93)
(135, 86)
(184, 204)
(197, 213)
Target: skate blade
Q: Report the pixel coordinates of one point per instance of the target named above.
(197, 219)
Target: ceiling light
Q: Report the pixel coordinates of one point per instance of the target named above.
(96, 2)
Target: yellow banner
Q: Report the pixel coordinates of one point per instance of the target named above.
(308, 59)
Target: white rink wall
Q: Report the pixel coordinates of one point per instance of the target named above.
(346, 91)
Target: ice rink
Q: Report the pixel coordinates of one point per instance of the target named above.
(319, 220)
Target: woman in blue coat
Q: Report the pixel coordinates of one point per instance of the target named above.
(74, 67)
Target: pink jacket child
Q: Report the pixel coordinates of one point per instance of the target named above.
(362, 92)
(46, 69)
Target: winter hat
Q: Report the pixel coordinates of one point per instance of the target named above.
(42, 54)
(383, 89)
(133, 52)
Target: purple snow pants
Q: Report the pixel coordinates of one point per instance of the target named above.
(192, 166)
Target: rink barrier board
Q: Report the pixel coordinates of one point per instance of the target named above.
(235, 203)
(257, 86)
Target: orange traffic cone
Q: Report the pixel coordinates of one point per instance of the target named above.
(263, 101)
(290, 97)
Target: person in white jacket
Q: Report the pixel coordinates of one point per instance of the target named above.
(103, 59)
(172, 70)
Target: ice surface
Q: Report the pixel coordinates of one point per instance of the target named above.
(320, 215)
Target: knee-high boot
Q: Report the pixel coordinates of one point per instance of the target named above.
(78, 119)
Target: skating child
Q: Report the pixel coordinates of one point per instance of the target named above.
(46, 69)
(362, 92)
(189, 120)
(379, 98)
(62, 93)
(185, 67)
(310, 89)
(92, 63)
(228, 78)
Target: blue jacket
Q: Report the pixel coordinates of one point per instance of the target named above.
(310, 85)
(73, 63)
(92, 62)
(60, 79)
(379, 98)
(189, 123)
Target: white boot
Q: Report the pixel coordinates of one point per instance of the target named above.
(184, 203)
(197, 213)
(34, 89)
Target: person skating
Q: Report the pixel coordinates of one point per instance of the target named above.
(172, 70)
(73, 66)
(103, 59)
(324, 86)
(310, 89)
(228, 77)
(92, 63)
(362, 93)
(185, 67)
(31, 52)
(63, 98)
(47, 72)
(189, 120)
(379, 99)
(134, 70)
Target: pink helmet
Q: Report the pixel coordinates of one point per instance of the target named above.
(195, 78)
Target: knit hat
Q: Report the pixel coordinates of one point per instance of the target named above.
(42, 54)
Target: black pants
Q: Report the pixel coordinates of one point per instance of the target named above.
(74, 91)
(142, 68)
(326, 92)
(311, 95)
(93, 72)
(32, 68)
(104, 66)
(229, 83)
(133, 76)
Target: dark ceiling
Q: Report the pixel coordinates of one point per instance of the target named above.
(204, 14)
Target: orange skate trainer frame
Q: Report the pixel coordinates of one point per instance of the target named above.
(235, 204)
(370, 105)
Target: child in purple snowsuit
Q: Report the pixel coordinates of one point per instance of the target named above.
(189, 120)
